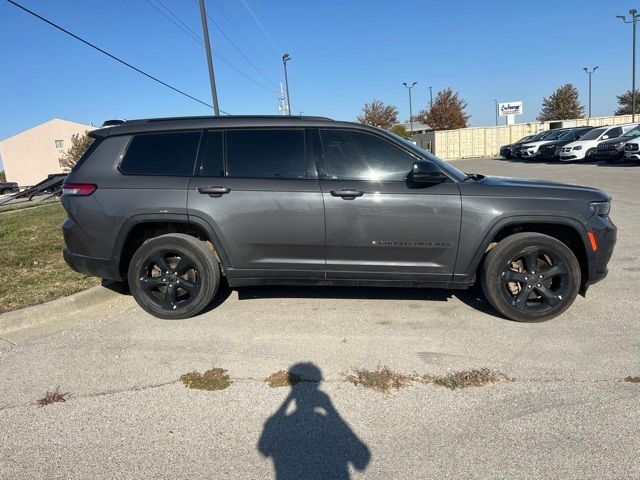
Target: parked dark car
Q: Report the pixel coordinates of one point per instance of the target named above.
(612, 150)
(551, 150)
(517, 147)
(506, 151)
(8, 187)
(174, 205)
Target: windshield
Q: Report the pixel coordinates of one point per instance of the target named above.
(593, 134)
(633, 133)
(539, 136)
(524, 139)
(566, 136)
(424, 153)
(553, 135)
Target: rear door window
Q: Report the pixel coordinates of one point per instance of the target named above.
(266, 153)
(212, 154)
(615, 132)
(161, 154)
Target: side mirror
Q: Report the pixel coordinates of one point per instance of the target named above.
(604, 137)
(426, 172)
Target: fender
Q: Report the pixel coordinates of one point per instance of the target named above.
(518, 219)
(168, 217)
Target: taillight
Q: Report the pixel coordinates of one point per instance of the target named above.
(78, 189)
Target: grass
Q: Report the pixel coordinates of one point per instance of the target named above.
(53, 397)
(384, 380)
(214, 379)
(282, 379)
(32, 269)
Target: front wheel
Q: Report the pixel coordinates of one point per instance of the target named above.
(173, 276)
(531, 277)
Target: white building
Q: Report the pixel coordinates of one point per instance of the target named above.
(28, 157)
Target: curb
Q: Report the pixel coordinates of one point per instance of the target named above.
(59, 309)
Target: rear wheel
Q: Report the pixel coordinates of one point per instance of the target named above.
(173, 276)
(531, 277)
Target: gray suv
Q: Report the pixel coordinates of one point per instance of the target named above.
(175, 204)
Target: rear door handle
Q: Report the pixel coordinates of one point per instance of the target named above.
(348, 193)
(214, 190)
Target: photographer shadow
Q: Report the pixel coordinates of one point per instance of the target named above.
(312, 441)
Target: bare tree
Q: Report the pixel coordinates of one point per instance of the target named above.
(378, 114)
(79, 144)
(563, 104)
(446, 113)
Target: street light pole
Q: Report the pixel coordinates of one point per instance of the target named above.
(409, 87)
(496, 102)
(590, 73)
(285, 58)
(633, 19)
(430, 98)
(207, 48)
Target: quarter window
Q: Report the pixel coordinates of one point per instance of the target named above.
(161, 154)
(266, 153)
(351, 155)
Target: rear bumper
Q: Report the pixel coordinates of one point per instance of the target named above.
(108, 268)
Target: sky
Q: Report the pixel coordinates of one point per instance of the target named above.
(344, 53)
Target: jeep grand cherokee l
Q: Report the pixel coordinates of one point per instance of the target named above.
(175, 204)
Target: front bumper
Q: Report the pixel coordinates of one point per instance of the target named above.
(547, 154)
(605, 234)
(609, 155)
(632, 156)
(528, 153)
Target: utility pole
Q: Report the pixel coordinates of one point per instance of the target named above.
(496, 102)
(285, 58)
(590, 73)
(409, 87)
(633, 19)
(430, 98)
(207, 47)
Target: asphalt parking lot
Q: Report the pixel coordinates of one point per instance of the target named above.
(566, 413)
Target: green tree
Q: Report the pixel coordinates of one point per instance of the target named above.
(625, 102)
(401, 131)
(79, 144)
(378, 114)
(446, 113)
(563, 104)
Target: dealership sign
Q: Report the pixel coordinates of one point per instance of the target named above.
(510, 108)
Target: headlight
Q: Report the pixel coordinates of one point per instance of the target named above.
(579, 147)
(600, 208)
(619, 144)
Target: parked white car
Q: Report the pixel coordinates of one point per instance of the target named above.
(530, 150)
(632, 150)
(585, 148)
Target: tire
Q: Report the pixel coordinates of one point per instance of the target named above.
(6, 191)
(521, 258)
(590, 155)
(173, 276)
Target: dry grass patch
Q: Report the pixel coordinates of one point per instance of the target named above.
(282, 379)
(214, 379)
(32, 269)
(632, 379)
(467, 378)
(53, 397)
(382, 379)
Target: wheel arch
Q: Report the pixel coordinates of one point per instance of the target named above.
(136, 230)
(568, 230)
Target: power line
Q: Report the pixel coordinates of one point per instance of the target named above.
(155, 79)
(257, 69)
(217, 54)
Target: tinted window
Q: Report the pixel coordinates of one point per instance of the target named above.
(351, 155)
(211, 164)
(161, 154)
(593, 134)
(615, 132)
(266, 153)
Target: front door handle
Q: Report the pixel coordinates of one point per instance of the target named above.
(347, 193)
(214, 191)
